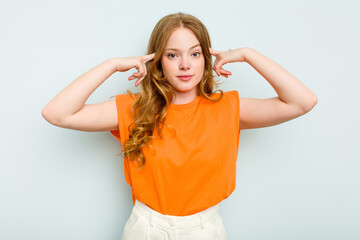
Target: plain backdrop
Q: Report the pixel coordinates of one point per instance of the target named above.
(297, 180)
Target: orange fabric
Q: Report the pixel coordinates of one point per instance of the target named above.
(194, 170)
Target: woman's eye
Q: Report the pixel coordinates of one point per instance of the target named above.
(196, 54)
(171, 55)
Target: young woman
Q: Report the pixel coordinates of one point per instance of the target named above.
(179, 137)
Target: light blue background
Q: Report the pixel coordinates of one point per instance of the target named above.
(298, 180)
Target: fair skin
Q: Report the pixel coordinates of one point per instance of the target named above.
(68, 109)
(183, 57)
(294, 98)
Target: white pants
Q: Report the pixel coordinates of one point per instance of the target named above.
(145, 223)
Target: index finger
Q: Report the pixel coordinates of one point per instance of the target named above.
(149, 57)
(213, 51)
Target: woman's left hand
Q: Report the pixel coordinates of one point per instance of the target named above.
(222, 58)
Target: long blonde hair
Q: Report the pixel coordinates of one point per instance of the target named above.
(150, 106)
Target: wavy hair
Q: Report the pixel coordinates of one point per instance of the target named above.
(150, 106)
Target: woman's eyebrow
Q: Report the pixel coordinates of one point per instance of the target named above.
(175, 49)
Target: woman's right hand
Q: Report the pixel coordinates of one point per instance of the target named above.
(124, 64)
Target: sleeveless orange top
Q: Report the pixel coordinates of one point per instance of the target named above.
(193, 170)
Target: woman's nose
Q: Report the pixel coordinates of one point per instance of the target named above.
(184, 64)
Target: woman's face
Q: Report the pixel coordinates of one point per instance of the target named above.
(183, 62)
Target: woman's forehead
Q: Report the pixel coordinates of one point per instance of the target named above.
(182, 39)
(177, 49)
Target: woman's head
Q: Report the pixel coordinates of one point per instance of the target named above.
(170, 32)
(182, 62)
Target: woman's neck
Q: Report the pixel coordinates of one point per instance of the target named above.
(184, 97)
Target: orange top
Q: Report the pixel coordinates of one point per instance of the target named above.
(194, 170)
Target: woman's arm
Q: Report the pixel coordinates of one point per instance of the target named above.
(73, 97)
(290, 90)
(68, 109)
(294, 98)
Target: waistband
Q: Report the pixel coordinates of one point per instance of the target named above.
(170, 221)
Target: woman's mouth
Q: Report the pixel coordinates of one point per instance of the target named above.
(185, 77)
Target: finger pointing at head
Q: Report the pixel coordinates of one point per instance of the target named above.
(149, 57)
(213, 52)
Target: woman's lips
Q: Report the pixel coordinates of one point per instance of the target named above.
(185, 77)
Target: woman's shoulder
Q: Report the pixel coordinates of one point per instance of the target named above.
(232, 92)
(228, 97)
(227, 94)
(126, 96)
